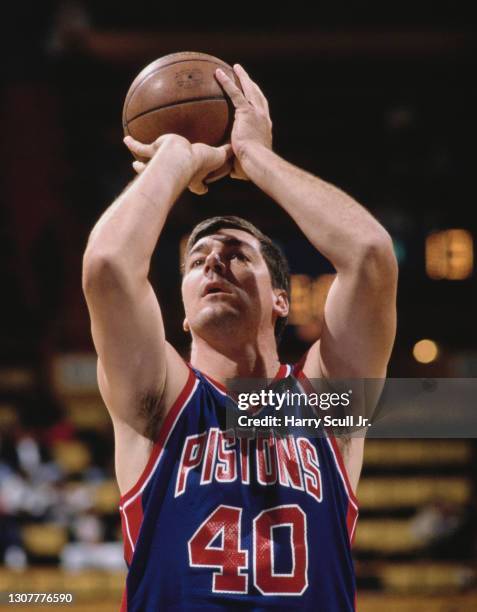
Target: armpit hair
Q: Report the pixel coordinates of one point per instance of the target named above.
(151, 414)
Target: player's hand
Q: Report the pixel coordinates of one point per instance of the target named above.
(207, 164)
(178, 146)
(210, 165)
(252, 122)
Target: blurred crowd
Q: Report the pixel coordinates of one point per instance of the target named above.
(58, 499)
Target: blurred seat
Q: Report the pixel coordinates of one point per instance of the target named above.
(106, 497)
(17, 379)
(392, 454)
(87, 413)
(404, 492)
(44, 540)
(431, 577)
(71, 455)
(377, 602)
(8, 416)
(385, 537)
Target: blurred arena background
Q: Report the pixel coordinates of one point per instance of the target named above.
(377, 98)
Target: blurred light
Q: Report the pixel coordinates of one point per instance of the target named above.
(300, 307)
(449, 254)
(425, 351)
(319, 293)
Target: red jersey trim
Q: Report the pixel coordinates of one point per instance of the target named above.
(341, 465)
(131, 503)
(353, 510)
(353, 505)
(164, 433)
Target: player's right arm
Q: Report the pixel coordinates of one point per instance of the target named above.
(139, 373)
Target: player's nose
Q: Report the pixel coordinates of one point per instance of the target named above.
(214, 263)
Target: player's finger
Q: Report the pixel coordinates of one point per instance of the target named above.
(138, 148)
(246, 83)
(138, 166)
(234, 93)
(198, 187)
(221, 161)
(226, 151)
(216, 175)
(251, 89)
(237, 172)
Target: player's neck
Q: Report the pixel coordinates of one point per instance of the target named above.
(248, 360)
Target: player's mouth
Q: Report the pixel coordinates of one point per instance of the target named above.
(215, 288)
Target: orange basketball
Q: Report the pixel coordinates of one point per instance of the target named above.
(179, 94)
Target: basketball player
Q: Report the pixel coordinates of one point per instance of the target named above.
(212, 521)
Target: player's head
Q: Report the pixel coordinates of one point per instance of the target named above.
(231, 258)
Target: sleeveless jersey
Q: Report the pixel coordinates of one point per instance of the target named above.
(219, 522)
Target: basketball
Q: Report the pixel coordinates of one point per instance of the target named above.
(179, 94)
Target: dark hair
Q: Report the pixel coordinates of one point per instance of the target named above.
(274, 258)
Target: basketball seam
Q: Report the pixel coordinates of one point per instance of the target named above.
(188, 101)
(130, 94)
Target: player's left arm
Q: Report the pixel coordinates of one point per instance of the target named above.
(360, 312)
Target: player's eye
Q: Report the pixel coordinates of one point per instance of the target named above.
(239, 256)
(197, 262)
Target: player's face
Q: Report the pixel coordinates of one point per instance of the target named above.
(227, 286)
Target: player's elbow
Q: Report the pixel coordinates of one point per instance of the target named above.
(101, 271)
(377, 259)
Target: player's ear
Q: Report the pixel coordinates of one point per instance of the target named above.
(186, 326)
(281, 304)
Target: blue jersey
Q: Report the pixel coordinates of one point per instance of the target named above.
(219, 522)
